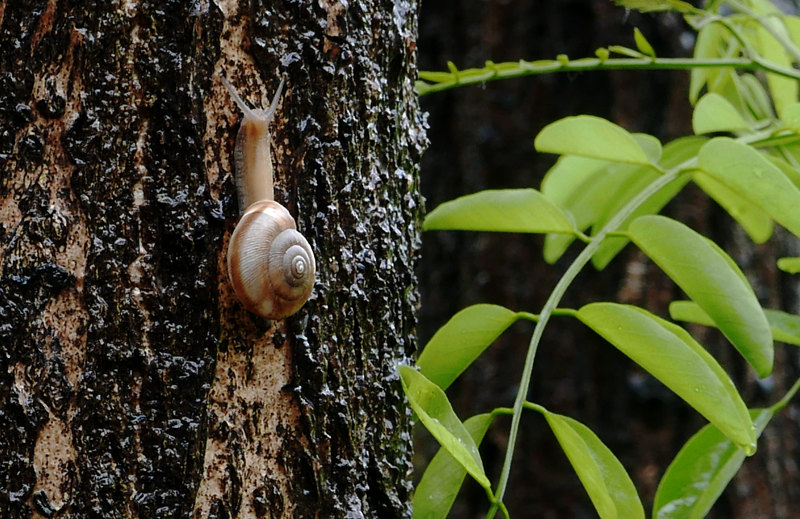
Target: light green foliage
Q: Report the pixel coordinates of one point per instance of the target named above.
(752, 176)
(642, 44)
(712, 280)
(586, 188)
(791, 116)
(701, 471)
(657, 5)
(675, 153)
(784, 90)
(714, 113)
(438, 488)
(712, 42)
(754, 220)
(783, 326)
(602, 475)
(435, 412)
(592, 137)
(605, 190)
(459, 342)
(501, 210)
(790, 265)
(670, 354)
(704, 467)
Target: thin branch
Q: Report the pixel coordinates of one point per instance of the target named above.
(430, 82)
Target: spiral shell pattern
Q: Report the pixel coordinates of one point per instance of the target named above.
(270, 264)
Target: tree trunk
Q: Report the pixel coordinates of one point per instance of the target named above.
(133, 383)
(482, 138)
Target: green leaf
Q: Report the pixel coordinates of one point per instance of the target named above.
(590, 136)
(791, 173)
(602, 475)
(791, 117)
(671, 355)
(756, 223)
(435, 412)
(792, 24)
(713, 113)
(461, 340)
(712, 280)
(675, 153)
(753, 95)
(791, 152)
(642, 44)
(651, 146)
(784, 327)
(752, 176)
(501, 210)
(784, 90)
(625, 51)
(790, 265)
(438, 488)
(701, 471)
(711, 41)
(730, 85)
(435, 76)
(647, 6)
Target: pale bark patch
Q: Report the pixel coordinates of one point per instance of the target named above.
(53, 460)
(247, 404)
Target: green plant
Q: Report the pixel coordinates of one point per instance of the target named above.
(606, 190)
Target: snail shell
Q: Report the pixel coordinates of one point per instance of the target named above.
(270, 264)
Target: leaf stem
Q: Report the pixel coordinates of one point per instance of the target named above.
(528, 316)
(780, 404)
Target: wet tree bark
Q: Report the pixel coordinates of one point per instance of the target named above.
(132, 383)
(483, 138)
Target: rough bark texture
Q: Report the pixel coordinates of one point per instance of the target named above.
(482, 138)
(132, 384)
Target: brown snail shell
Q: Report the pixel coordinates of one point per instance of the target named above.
(270, 265)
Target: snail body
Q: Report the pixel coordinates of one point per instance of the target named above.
(270, 264)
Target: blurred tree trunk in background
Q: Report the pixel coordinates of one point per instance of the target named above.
(132, 383)
(483, 138)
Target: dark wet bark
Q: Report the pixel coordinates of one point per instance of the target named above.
(132, 384)
(483, 138)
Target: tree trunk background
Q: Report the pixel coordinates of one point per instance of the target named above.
(482, 137)
(132, 383)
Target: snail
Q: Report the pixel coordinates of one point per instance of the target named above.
(270, 264)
